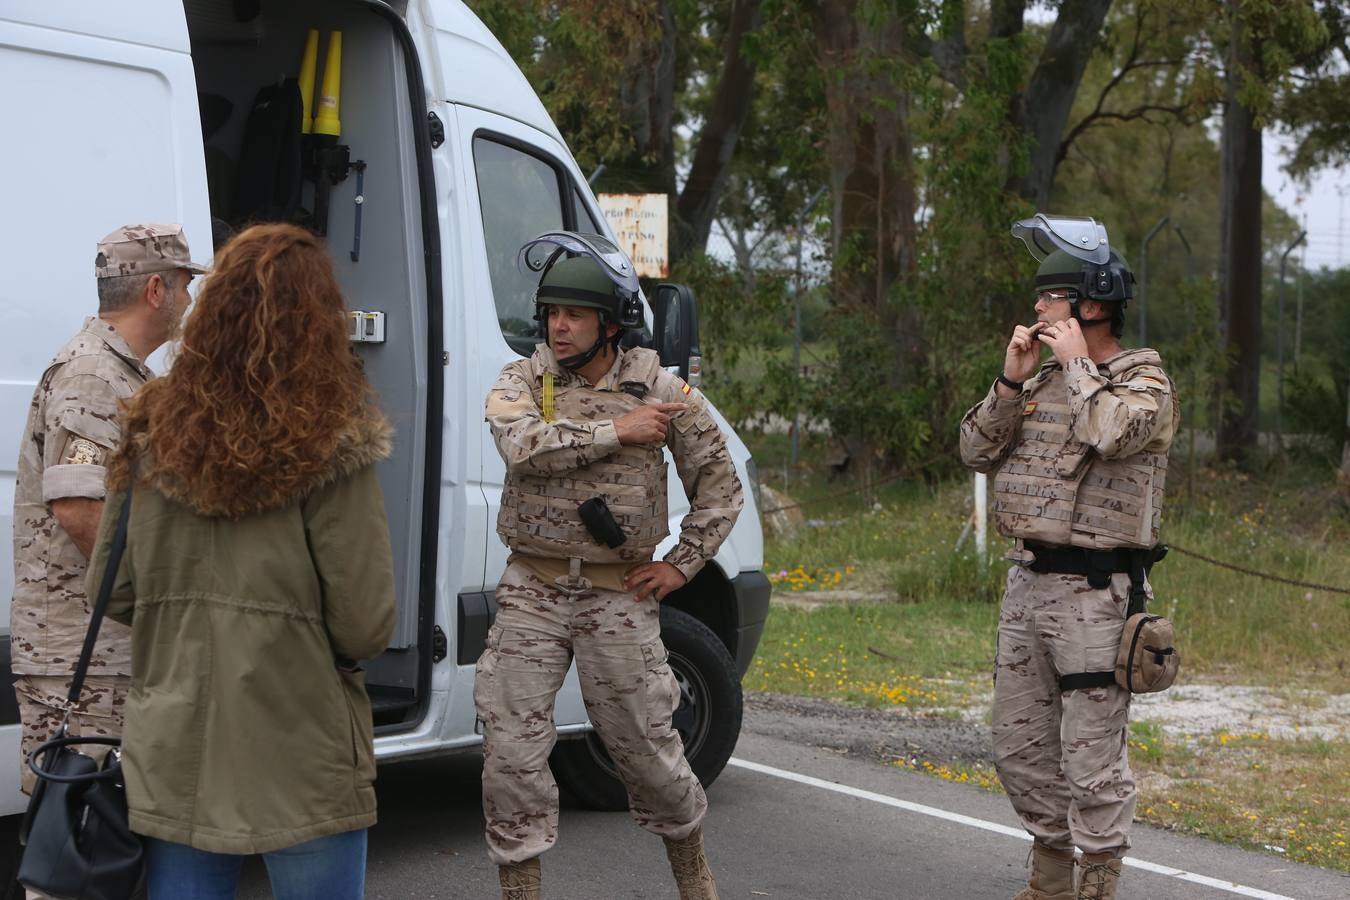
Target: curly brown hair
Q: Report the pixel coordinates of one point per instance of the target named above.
(265, 390)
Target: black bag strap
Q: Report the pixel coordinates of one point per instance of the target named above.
(119, 543)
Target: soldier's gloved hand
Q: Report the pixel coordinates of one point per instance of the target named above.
(647, 424)
(654, 580)
(1065, 339)
(1023, 356)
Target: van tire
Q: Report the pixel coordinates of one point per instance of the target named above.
(708, 717)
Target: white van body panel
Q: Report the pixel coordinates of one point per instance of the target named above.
(469, 66)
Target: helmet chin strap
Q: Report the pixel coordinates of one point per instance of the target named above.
(1085, 323)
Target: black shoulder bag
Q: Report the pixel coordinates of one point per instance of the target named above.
(77, 844)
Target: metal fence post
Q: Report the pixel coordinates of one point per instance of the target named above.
(1143, 281)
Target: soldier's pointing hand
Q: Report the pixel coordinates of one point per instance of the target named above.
(647, 424)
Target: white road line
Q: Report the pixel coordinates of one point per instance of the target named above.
(934, 812)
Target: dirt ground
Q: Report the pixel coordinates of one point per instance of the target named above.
(1186, 710)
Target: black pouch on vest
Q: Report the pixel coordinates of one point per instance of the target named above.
(600, 522)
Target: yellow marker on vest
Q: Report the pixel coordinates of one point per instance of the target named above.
(548, 397)
(684, 386)
(1029, 408)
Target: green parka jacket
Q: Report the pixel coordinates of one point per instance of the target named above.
(248, 728)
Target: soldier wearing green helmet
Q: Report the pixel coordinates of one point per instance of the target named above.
(581, 425)
(1079, 450)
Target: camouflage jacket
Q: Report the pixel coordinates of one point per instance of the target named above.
(1080, 453)
(72, 429)
(552, 466)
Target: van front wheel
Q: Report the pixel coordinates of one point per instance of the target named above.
(708, 717)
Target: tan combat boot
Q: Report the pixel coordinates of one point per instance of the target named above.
(520, 881)
(1097, 880)
(1051, 875)
(690, 865)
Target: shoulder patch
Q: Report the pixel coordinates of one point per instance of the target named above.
(81, 452)
(684, 387)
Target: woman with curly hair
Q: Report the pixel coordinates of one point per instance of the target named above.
(257, 571)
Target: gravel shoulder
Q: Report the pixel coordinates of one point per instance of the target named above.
(1187, 710)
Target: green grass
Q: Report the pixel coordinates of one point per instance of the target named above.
(1290, 797)
(919, 655)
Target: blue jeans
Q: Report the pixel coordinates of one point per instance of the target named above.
(326, 868)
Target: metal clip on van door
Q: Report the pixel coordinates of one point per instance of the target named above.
(359, 200)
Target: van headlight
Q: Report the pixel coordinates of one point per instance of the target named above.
(752, 475)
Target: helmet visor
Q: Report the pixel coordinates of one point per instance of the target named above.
(1079, 236)
(539, 252)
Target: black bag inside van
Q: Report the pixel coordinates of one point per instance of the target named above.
(268, 177)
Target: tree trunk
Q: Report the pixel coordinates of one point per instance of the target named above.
(870, 152)
(1240, 289)
(873, 196)
(647, 106)
(1041, 112)
(716, 146)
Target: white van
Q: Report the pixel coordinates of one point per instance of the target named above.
(104, 107)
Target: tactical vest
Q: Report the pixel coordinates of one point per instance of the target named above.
(539, 512)
(1057, 490)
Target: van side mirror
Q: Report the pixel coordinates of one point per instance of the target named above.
(675, 316)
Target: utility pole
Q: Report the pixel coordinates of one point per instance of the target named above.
(1279, 340)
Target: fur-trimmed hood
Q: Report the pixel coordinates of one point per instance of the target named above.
(366, 439)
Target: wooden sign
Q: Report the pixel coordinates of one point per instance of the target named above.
(639, 222)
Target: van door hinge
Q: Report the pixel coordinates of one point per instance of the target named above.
(436, 129)
(440, 647)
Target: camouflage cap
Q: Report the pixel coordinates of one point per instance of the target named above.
(142, 249)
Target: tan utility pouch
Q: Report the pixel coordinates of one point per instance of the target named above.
(1147, 661)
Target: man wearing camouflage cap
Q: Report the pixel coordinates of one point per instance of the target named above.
(1079, 450)
(581, 425)
(142, 275)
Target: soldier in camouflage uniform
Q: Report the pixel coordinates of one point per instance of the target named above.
(1079, 447)
(142, 274)
(582, 418)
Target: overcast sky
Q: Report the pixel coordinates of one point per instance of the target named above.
(1325, 203)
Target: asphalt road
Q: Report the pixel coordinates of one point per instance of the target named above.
(787, 822)
(897, 835)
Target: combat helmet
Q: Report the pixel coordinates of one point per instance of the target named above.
(1075, 254)
(578, 269)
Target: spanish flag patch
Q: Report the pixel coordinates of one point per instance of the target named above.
(684, 386)
(1029, 408)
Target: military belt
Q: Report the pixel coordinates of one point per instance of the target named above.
(1096, 565)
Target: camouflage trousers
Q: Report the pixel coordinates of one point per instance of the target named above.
(42, 702)
(630, 695)
(1061, 756)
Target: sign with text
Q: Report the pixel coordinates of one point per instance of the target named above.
(640, 225)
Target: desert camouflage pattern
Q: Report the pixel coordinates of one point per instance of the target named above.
(42, 700)
(552, 467)
(630, 695)
(71, 431)
(143, 249)
(1062, 756)
(1080, 454)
